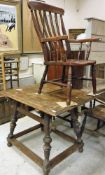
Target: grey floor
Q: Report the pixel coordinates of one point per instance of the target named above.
(90, 162)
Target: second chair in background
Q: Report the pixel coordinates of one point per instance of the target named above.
(9, 69)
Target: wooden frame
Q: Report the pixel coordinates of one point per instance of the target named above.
(35, 157)
(29, 34)
(10, 26)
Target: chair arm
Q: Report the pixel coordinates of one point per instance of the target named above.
(56, 38)
(85, 40)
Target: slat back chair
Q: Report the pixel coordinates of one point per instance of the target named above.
(49, 25)
(11, 66)
(9, 69)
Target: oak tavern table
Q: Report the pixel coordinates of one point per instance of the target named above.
(51, 103)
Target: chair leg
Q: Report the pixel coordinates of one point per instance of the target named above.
(11, 83)
(93, 69)
(63, 73)
(18, 83)
(98, 124)
(43, 79)
(69, 85)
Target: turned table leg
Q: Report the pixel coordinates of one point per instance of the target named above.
(13, 123)
(47, 140)
(42, 116)
(77, 129)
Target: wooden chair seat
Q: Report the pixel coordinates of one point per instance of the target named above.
(79, 62)
(97, 112)
(72, 62)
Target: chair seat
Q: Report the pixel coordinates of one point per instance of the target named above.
(98, 112)
(82, 62)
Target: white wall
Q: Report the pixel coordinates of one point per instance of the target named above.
(71, 14)
(77, 10)
(90, 8)
(58, 3)
(71, 17)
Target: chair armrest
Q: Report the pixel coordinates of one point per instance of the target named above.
(85, 40)
(56, 38)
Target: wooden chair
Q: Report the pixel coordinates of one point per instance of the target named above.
(11, 65)
(9, 68)
(97, 110)
(49, 25)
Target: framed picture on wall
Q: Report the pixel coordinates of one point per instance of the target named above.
(10, 26)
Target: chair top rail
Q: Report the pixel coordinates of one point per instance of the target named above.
(45, 7)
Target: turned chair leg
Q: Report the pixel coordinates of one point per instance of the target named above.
(18, 83)
(63, 73)
(43, 79)
(69, 85)
(93, 70)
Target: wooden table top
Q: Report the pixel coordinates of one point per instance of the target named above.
(51, 101)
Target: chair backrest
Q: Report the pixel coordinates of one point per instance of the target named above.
(49, 26)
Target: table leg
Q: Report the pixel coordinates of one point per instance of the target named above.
(77, 129)
(13, 123)
(47, 140)
(42, 116)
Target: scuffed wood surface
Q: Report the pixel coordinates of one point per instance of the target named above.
(47, 100)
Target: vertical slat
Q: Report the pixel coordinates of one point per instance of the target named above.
(50, 45)
(60, 43)
(40, 32)
(62, 26)
(36, 24)
(43, 23)
(67, 44)
(57, 25)
(47, 24)
(47, 31)
(52, 25)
